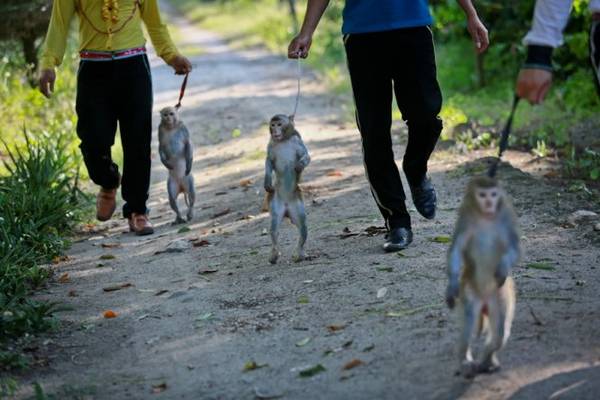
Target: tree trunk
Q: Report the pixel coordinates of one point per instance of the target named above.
(294, 15)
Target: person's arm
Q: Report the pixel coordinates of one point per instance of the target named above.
(549, 20)
(54, 46)
(300, 45)
(478, 32)
(159, 34)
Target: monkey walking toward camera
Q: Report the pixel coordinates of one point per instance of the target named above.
(175, 150)
(485, 248)
(287, 157)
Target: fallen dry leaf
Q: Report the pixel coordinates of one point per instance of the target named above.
(107, 257)
(200, 243)
(111, 245)
(335, 328)
(161, 292)
(334, 173)
(117, 287)
(64, 278)
(221, 213)
(352, 364)
(252, 365)
(159, 388)
(207, 271)
(246, 182)
(59, 259)
(110, 314)
(73, 293)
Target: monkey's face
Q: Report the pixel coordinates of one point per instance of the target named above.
(487, 200)
(168, 116)
(280, 126)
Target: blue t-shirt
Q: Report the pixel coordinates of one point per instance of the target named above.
(362, 16)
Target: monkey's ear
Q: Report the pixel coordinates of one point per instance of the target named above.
(291, 117)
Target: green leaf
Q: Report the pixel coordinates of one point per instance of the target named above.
(595, 174)
(236, 133)
(441, 239)
(303, 342)
(312, 371)
(205, 317)
(184, 229)
(303, 300)
(252, 365)
(107, 257)
(543, 265)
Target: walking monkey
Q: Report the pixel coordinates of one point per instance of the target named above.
(175, 150)
(485, 247)
(287, 157)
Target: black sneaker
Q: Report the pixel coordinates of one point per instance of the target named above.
(424, 198)
(398, 239)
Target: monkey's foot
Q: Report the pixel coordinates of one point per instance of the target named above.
(190, 216)
(274, 257)
(178, 221)
(488, 367)
(299, 256)
(468, 369)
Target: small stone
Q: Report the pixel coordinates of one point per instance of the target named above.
(581, 216)
(597, 227)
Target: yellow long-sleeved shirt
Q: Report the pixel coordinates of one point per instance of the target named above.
(130, 36)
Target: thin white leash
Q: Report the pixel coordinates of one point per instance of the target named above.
(298, 77)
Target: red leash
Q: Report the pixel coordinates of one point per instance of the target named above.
(182, 91)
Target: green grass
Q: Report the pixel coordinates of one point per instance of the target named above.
(40, 199)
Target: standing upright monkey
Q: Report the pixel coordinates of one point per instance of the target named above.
(175, 150)
(287, 156)
(485, 248)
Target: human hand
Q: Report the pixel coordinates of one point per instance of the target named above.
(299, 46)
(533, 84)
(181, 65)
(47, 79)
(478, 33)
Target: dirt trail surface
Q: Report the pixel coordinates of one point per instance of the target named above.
(202, 310)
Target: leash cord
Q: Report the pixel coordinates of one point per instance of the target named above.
(298, 76)
(504, 138)
(182, 91)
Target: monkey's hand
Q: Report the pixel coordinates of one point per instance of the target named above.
(501, 273)
(269, 186)
(47, 79)
(451, 294)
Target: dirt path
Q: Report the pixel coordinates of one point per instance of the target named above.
(194, 333)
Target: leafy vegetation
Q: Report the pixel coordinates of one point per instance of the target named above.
(40, 198)
(477, 90)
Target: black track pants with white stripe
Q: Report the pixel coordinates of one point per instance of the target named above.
(381, 64)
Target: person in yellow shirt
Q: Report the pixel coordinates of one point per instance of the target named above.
(114, 85)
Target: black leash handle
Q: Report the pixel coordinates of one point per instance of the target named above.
(504, 138)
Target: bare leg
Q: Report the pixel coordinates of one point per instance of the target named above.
(277, 212)
(501, 313)
(298, 217)
(191, 196)
(173, 189)
(471, 308)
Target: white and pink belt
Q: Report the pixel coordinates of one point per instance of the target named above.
(93, 55)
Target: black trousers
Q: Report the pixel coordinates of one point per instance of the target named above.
(383, 63)
(111, 92)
